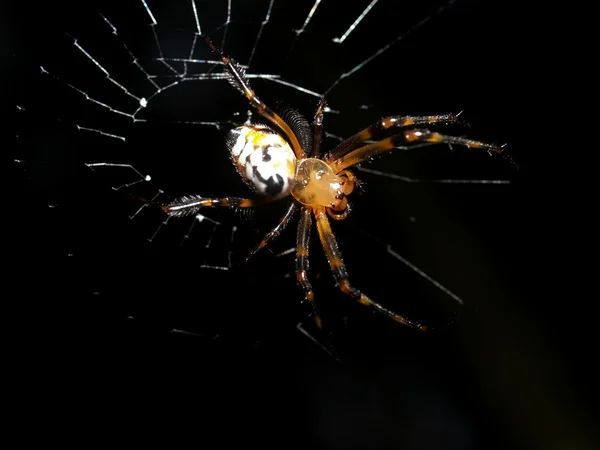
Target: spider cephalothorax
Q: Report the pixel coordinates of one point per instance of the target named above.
(289, 164)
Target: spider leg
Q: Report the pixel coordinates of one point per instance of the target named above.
(340, 273)
(191, 204)
(302, 261)
(237, 77)
(318, 129)
(393, 121)
(406, 137)
(276, 231)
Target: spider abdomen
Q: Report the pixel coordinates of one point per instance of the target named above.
(263, 158)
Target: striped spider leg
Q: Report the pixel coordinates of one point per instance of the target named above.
(275, 167)
(237, 77)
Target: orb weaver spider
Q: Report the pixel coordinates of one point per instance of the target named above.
(276, 166)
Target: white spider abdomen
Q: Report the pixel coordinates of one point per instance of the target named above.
(263, 158)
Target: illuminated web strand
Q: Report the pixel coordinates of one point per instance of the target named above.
(191, 60)
(108, 76)
(210, 266)
(156, 40)
(159, 49)
(162, 224)
(198, 33)
(197, 219)
(208, 244)
(294, 86)
(418, 271)
(301, 329)
(186, 333)
(186, 236)
(82, 128)
(226, 25)
(388, 45)
(145, 205)
(285, 252)
(260, 31)
(334, 136)
(311, 13)
(133, 57)
(141, 101)
(203, 76)
(218, 125)
(93, 130)
(213, 76)
(196, 18)
(141, 176)
(196, 61)
(436, 283)
(87, 97)
(191, 57)
(356, 22)
(91, 58)
(114, 29)
(128, 166)
(418, 180)
(301, 30)
(149, 12)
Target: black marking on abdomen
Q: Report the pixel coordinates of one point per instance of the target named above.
(274, 183)
(265, 154)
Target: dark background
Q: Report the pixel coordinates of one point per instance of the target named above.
(109, 333)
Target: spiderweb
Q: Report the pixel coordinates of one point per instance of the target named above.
(112, 305)
(123, 100)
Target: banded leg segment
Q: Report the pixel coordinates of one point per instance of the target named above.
(384, 124)
(302, 261)
(407, 137)
(276, 231)
(239, 80)
(191, 204)
(340, 273)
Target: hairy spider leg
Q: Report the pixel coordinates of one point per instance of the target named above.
(416, 135)
(191, 204)
(302, 261)
(318, 129)
(384, 124)
(275, 231)
(239, 80)
(340, 273)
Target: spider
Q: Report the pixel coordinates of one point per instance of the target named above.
(289, 163)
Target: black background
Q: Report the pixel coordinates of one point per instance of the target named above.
(93, 305)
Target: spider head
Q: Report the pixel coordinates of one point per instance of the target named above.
(316, 184)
